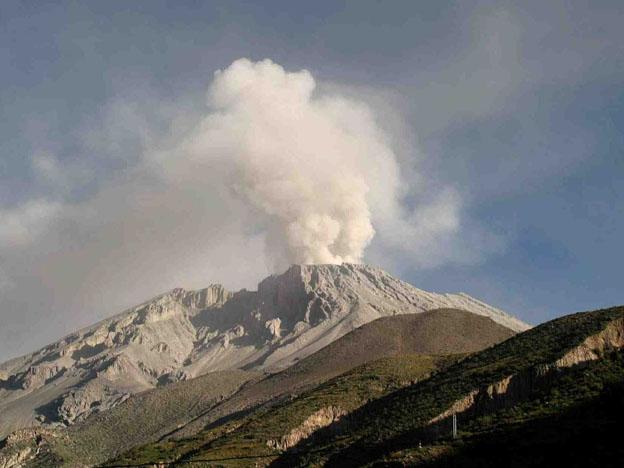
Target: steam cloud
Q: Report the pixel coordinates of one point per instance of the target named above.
(305, 164)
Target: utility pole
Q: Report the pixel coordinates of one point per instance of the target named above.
(454, 426)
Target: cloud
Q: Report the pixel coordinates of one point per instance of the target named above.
(122, 202)
(304, 164)
(58, 179)
(24, 224)
(47, 169)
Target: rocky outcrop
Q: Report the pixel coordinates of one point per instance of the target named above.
(37, 376)
(213, 295)
(317, 420)
(459, 406)
(611, 338)
(17, 457)
(274, 326)
(23, 446)
(80, 403)
(515, 388)
(27, 435)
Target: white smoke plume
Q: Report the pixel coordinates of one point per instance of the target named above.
(310, 166)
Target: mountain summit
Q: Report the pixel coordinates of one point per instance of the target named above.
(182, 334)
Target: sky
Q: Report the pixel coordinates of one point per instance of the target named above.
(462, 146)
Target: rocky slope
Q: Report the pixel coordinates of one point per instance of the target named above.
(183, 334)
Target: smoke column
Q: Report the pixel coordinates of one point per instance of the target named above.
(308, 166)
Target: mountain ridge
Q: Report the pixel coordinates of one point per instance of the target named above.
(182, 334)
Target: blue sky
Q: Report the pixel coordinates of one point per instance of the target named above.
(518, 107)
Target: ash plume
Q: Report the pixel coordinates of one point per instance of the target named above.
(304, 164)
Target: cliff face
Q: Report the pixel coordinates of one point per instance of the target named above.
(317, 420)
(182, 334)
(23, 446)
(518, 387)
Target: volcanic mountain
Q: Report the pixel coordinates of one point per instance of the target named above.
(184, 334)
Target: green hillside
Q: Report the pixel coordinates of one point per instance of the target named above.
(551, 395)
(584, 433)
(250, 433)
(401, 420)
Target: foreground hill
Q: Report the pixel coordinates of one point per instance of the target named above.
(560, 370)
(584, 433)
(185, 408)
(184, 334)
(260, 435)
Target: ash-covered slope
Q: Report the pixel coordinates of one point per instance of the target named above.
(183, 334)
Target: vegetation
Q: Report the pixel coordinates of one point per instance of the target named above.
(443, 331)
(559, 427)
(144, 417)
(247, 436)
(397, 421)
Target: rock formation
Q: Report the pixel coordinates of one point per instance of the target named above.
(515, 388)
